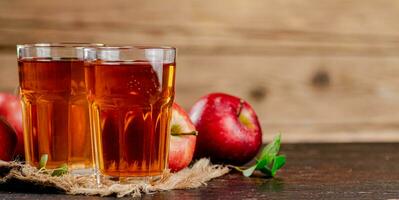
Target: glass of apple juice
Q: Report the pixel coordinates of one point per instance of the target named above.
(55, 107)
(130, 91)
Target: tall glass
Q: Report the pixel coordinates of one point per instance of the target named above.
(55, 108)
(130, 91)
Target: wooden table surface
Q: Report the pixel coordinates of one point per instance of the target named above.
(313, 171)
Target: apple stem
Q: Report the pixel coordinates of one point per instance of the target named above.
(188, 133)
(240, 107)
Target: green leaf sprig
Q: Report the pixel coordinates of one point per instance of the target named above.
(43, 162)
(59, 171)
(268, 162)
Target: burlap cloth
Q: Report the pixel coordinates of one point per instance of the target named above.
(193, 177)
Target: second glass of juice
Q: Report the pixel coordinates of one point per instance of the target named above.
(130, 91)
(55, 108)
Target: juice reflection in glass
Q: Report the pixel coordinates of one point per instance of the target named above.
(130, 92)
(55, 108)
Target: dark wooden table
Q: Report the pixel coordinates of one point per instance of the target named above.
(313, 171)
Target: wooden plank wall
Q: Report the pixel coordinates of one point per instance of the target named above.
(314, 70)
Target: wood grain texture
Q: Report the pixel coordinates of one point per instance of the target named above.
(313, 171)
(317, 71)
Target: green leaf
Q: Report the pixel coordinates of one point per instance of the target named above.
(266, 170)
(278, 163)
(248, 172)
(43, 161)
(63, 169)
(271, 150)
(269, 153)
(269, 161)
(260, 164)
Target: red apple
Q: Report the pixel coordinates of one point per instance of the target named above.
(229, 130)
(8, 140)
(182, 141)
(11, 111)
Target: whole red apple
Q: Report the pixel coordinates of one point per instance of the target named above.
(182, 140)
(11, 111)
(8, 140)
(228, 129)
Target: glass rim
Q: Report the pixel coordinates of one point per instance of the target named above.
(60, 45)
(132, 47)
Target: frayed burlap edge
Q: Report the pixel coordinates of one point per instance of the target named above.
(200, 173)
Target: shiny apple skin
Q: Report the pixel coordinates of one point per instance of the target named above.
(11, 111)
(8, 140)
(222, 136)
(182, 147)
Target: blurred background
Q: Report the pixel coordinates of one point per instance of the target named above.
(317, 71)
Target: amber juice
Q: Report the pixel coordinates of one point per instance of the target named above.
(55, 112)
(130, 104)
